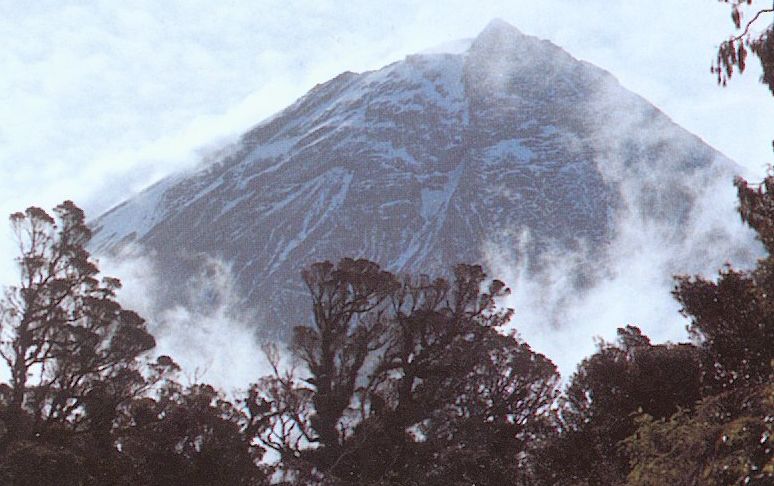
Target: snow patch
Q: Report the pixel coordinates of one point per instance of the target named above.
(320, 213)
(133, 218)
(433, 200)
(510, 148)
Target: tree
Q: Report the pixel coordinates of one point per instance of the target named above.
(427, 391)
(732, 53)
(732, 319)
(728, 438)
(725, 441)
(602, 400)
(347, 304)
(73, 352)
(478, 396)
(190, 436)
(85, 403)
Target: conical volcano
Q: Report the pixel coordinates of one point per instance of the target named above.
(417, 166)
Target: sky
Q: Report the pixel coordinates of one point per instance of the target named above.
(100, 98)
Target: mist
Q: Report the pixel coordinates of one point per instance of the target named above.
(565, 323)
(213, 342)
(216, 342)
(672, 219)
(651, 244)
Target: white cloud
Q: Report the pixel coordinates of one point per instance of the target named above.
(101, 98)
(561, 321)
(633, 286)
(211, 342)
(94, 91)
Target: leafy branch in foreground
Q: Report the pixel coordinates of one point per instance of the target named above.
(732, 53)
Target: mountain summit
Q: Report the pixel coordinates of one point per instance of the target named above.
(420, 165)
(501, 31)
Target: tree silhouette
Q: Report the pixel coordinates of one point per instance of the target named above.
(85, 403)
(732, 53)
(606, 393)
(728, 438)
(429, 391)
(74, 353)
(190, 436)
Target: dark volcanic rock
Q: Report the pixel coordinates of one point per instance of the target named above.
(416, 166)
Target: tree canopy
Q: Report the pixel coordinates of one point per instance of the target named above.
(402, 380)
(726, 439)
(87, 403)
(406, 381)
(732, 53)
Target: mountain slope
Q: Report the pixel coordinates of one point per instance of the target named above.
(420, 165)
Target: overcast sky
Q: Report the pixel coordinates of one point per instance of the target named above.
(100, 98)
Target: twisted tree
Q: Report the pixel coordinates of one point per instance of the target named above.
(406, 382)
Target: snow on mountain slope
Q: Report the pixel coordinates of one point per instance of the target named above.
(417, 166)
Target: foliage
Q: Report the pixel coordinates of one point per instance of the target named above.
(726, 441)
(409, 382)
(732, 319)
(606, 393)
(85, 403)
(732, 53)
(399, 381)
(74, 353)
(192, 437)
(727, 438)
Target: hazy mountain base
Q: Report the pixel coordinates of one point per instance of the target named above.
(401, 381)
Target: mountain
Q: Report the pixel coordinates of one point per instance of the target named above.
(419, 165)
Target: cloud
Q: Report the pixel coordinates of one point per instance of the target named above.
(561, 321)
(211, 341)
(101, 99)
(654, 239)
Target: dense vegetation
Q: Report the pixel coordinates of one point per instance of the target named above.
(397, 380)
(84, 403)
